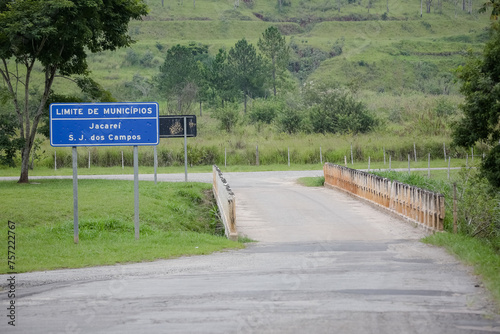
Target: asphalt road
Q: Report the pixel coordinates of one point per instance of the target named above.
(324, 263)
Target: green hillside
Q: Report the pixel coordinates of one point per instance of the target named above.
(398, 63)
(396, 51)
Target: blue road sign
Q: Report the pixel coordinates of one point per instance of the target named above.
(104, 124)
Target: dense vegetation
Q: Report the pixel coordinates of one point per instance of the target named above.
(356, 73)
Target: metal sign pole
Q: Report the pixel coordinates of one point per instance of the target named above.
(155, 162)
(136, 192)
(185, 151)
(75, 195)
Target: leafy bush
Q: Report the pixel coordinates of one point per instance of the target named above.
(265, 110)
(336, 111)
(289, 120)
(478, 205)
(147, 60)
(228, 116)
(490, 167)
(131, 57)
(204, 155)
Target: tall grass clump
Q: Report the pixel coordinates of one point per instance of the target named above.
(478, 204)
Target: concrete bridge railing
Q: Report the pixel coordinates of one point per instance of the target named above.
(419, 205)
(226, 202)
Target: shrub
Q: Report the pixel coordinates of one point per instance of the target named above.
(131, 57)
(264, 110)
(228, 116)
(147, 59)
(336, 111)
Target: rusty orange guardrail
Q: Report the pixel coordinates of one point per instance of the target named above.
(419, 205)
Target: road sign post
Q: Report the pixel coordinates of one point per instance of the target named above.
(179, 126)
(104, 124)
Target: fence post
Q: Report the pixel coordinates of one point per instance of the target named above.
(352, 158)
(257, 155)
(89, 159)
(390, 162)
(369, 163)
(472, 151)
(449, 163)
(123, 165)
(289, 157)
(384, 156)
(429, 166)
(454, 208)
(345, 160)
(444, 150)
(320, 156)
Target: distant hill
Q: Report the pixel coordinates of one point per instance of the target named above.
(367, 45)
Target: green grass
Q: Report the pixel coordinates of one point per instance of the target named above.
(318, 181)
(175, 219)
(475, 252)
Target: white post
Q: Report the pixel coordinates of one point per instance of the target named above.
(89, 159)
(384, 156)
(257, 162)
(390, 161)
(123, 164)
(449, 164)
(352, 157)
(472, 150)
(429, 166)
(345, 160)
(369, 158)
(320, 156)
(408, 164)
(444, 149)
(289, 157)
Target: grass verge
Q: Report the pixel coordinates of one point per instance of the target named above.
(318, 181)
(475, 252)
(175, 219)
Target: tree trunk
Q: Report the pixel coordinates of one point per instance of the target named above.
(25, 160)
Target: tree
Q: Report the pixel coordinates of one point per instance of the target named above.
(57, 34)
(247, 69)
(274, 47)
(480, 78)
(336, 111)
(180, 75)
(219, 80)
